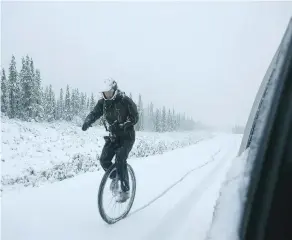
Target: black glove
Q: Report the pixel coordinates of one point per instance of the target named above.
(85, 126)
(125, 125)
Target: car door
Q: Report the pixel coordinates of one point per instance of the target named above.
(268, 204)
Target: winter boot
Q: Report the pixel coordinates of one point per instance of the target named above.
(123, 196)
(114, 186)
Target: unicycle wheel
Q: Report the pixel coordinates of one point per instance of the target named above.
(110, 210)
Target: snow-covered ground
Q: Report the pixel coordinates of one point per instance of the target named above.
(229, 205)
(175, 199)
(37, 153)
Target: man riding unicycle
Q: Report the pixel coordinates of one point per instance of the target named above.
(120, 114)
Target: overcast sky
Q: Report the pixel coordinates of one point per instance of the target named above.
(205, 59)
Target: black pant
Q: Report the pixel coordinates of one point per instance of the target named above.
(121, 147)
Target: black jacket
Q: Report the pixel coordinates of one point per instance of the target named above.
(121, 109)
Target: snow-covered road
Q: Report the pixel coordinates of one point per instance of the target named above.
(176, 194)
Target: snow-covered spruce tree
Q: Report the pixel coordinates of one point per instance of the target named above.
(14, 91)
(174, 121)
(140, 124)
(76, 109)
(92, 102)
(33, 105)
(67, 108)
(27, 87)
(38, 108)
(45, 98)
(50, 104)
(54, 103)
(157, 123)
(83, 100)
(87, 100)
(169, 122)
(4, 93)
(73, 103)
(61, 105)
(36, 111)
(152, 117)
(78, 102)
(83, 106)
(58, 115)
(163, 120)
(88, 104)
(146, 117)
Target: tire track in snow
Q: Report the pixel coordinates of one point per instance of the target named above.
(174, 219)
(175, 183)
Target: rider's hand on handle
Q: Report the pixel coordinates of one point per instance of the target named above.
(125, 125)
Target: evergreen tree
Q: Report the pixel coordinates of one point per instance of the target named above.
(67, 108)
(73, 102)
(33, 84)
(46, 103)
(83, 101)
(14, 90)
(51, 104)
(27, 89)
(78, 102)
(83, 106)
(157, 121)
(38, 86)
(57, 110)
(174, 121)
(4, 93)
(61, 104)
(39, 111)
(88, 104)
(92, 102)
(163, 120)
(140, 123)
(169, 121)
(151, 117)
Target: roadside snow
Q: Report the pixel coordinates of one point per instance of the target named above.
(34, 153)
(232, 197)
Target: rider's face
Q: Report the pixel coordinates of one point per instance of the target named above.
(108, 94)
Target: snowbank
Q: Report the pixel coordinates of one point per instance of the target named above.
(229, 206)
(33, 153)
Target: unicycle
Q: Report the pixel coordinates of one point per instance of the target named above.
(107, 199)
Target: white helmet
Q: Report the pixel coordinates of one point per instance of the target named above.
(108, 84)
